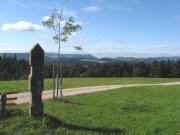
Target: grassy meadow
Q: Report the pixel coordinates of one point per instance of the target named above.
(22, 85)
(152, 110)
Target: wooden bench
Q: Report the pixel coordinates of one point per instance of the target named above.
(5, 100)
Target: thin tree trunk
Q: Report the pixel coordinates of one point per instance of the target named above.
(53, 82)
(61, 96)
(57, 80)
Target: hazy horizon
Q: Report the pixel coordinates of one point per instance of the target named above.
(107, 54)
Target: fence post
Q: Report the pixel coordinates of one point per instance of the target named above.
(3, 103)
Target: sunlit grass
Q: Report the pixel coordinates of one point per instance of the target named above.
(22, 85)
(151, 110)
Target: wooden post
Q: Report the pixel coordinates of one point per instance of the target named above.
(3, 103)
(36, 80)
(57, 84)
(53, 82)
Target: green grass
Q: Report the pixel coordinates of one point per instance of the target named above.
(127, 59)
(151, 110)
(22, 85)
(92, 60)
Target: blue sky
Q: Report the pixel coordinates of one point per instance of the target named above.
(111, 28)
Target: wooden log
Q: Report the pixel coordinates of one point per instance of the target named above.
(9, 92)
(10, 102)
(3, 103)
(11, 98)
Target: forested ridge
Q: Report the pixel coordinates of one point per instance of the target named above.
(12, 68)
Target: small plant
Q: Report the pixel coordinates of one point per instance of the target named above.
(63, 29)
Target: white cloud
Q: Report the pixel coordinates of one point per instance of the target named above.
(43, 36)
(22, 26)
(73, 35)
(45, 18)
(78, 39)
(91, 9)
(78, 23)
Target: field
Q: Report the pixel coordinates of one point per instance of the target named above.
(93, 60)
(151, 110)
(22, 85)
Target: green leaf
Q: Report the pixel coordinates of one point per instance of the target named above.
(53, 23)
(79, 48)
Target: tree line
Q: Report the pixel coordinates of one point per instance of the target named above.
(13, 69)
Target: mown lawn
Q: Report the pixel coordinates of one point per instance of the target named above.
(151, 110)
(22, 85)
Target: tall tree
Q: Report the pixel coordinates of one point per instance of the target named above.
(155, 69)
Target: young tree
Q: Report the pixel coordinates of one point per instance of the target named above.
(63, 29)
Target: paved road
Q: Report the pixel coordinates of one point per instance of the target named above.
(25, 96)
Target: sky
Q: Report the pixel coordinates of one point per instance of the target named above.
(110, 28)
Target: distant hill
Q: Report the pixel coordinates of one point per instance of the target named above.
(74, 59)
(51, 56)
(131, 59)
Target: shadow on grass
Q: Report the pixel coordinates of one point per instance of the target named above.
(11, 113)
(138, 108)
(71, 102)
(54, 123)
